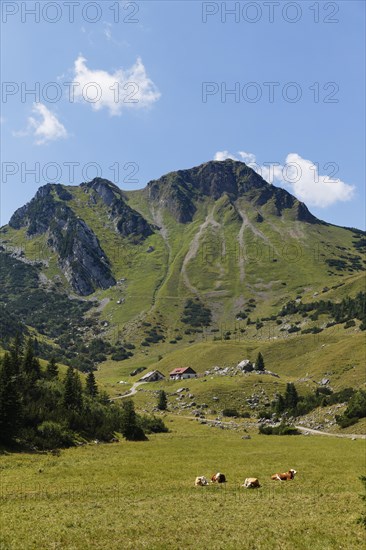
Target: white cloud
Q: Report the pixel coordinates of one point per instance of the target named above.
(300, 176)
(248, 158)
(123, 89)
(223, 155)
(44, 126)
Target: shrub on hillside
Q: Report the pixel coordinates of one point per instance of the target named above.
(41, 410)
(344, 421)
(51, 435)
(230, 412)
(282, 429)
(152, 425)
(356, 409)
(196, 314)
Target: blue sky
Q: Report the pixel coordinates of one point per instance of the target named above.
(296, 70)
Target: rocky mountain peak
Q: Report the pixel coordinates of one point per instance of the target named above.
(180, 191)
(107, 190)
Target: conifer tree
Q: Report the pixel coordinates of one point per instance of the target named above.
(16, 352)
(162, 401)
(91, 385)
(10, 401)
(130, 429)
(73, 398)
(291, 397)
(30, 364)
(259, 364)
(52, 369)
(280, 405)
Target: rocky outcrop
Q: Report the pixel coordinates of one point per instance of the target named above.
(128, 222)
(81, 257)
(37, 214)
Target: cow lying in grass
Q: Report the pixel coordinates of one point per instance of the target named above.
(201, 481)
(284, 477)
(218, 478)
(251, 483)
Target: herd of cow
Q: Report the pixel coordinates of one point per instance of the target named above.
(249, 483)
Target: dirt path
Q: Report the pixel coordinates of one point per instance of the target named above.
(103, 302)
(317, 432)
(130, 392)
(158, 220)
(193, 249)
(241, 249)
(157, 216)
(248, 224)
(301, 428)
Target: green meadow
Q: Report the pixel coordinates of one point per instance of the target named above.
(141, 495)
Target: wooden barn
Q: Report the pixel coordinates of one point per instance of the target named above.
(152, 376)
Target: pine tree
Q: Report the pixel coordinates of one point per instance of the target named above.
(30, 363)
(280, 405)
(130, 429)
(52, 369)
(16, 352)
(259, 364)
(291, 397)
(10, 401)
(162, 401)
(91, 385)
(73, 398)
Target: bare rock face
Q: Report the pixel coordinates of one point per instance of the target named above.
(127, 221)
(80, 256)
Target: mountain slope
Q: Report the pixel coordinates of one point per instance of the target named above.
(214, 245)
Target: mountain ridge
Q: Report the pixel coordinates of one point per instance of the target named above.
(215, 238)
(215, 178)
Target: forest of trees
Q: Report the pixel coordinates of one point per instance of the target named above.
(41, 409)
(346, 310)
(292, 404)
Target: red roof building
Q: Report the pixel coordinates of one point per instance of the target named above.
(182, 372)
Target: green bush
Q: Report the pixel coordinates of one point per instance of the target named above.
(230, 412)
(51, 435)
(282, 429)
(356, 409)
(344, 421)
(151, 424)
(196, 314)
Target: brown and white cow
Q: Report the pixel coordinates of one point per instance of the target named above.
(218, 478)
(251, 483)
(201, 481)
(285, 476)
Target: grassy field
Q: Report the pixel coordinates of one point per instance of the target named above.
(142, 495)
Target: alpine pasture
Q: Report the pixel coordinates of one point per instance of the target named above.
(138, 495)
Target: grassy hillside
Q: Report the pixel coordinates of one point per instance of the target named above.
(336, 354)
(217, 236)
(105, 496)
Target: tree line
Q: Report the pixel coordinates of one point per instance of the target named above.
(42, 409)
(346, 310)
(291, 404)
